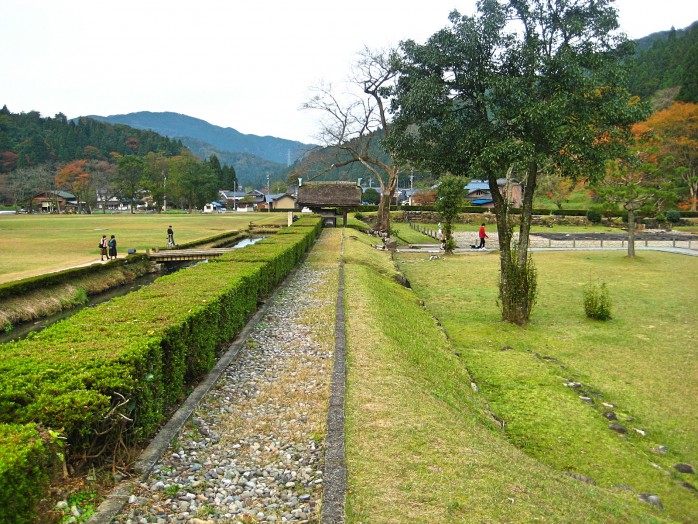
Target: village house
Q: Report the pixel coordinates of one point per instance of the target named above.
(478, 192)
(230, 199)
(55, 202)
(325, 198)
(280, 201)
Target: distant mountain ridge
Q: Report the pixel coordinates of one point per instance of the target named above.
(232, 147)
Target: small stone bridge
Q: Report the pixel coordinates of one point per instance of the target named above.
(183, 255)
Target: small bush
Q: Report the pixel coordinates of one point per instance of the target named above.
(359, 215)
(518, 289)
(597, 301)
(673, 216)
(594, 216)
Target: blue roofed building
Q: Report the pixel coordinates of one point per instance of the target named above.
(478, 192)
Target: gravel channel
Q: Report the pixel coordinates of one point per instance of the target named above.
(254, 449)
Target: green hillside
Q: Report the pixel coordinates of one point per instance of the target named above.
(665, 60)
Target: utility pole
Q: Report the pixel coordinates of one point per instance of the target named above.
(164, 195)
(268, 196)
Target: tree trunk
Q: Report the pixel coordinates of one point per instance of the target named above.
(517, 285)
(383, 224)
(631, 233)
(448, 235)
(527, 212)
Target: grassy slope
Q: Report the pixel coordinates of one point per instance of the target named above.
(421, 446)
(643, 361)
(42, 244)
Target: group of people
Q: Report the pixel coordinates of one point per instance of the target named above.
(107, 247)
(481, 235)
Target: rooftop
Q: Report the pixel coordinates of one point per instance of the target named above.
(329, 194)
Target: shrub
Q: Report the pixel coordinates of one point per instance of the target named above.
(24, 459)
(518, 289)
(673, 216)
(597, 301)
(594, 216)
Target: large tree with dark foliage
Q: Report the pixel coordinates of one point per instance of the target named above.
(519, 85)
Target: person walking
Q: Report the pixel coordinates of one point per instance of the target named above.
(103, 247)
(482, 236)
(170, 237)
(112, 247)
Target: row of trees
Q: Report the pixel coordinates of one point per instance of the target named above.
(660, 167)
(183, 179)
(523, 87)
(97, 161)
(659, 174)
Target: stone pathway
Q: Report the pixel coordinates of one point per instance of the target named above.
(254, 449)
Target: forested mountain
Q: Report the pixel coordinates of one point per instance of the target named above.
(176, 125)
(251, 170)
(27, 139)
(101, 164)
(322, 164)
(665, 60)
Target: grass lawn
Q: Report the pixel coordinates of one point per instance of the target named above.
(407, 235)
(35, 244)
(643, 362)
(578, 199)
(421, 444)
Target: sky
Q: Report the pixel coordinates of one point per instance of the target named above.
(248, 65)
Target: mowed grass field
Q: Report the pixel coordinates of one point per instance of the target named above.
(36, 244)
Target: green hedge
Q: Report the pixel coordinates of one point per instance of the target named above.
(215, 240)
(113, 371)
(24, 461)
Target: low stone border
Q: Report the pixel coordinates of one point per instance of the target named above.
(335, 476)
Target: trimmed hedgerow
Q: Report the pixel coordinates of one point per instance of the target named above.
(24, 459)
(110, 373)
(215, 240)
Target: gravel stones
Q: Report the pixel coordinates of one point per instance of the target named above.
(254, 449)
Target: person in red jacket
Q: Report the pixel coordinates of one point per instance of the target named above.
(482, 236)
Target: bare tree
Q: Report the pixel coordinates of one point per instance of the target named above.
(355, 122)
(26, 182)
